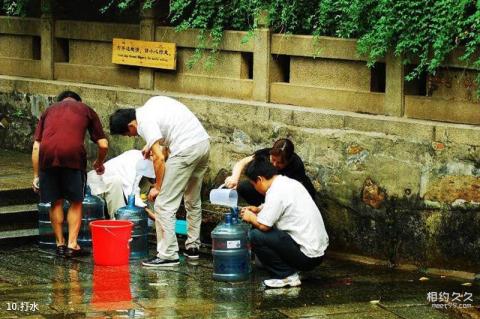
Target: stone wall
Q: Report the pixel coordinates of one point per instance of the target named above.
(401, 190)
(323, 72)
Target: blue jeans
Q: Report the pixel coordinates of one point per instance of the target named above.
(280, 254)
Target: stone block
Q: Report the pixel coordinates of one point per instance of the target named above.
(39, 87)
(16, 46)
(442, 110)
(133, 98)
(227, 64)
(394, 86)
(411, 130)
(116, 75)
(203, 85)
(282, 115)
(7, 85)
(467, 135)
(20, 67)
(342, 100)
(262, 61)
(329, 73)
(232, 40)
(90, 53)
(20, 26)
(95, 31)
(318, 119)
(454, 84)
(323, 47)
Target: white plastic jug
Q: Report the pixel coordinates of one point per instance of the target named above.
(224, 196)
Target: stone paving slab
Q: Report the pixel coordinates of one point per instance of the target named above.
(416, 312)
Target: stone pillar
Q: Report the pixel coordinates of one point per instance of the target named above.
(394, 103)
(147, 33)
(262, 59)
(47, 35)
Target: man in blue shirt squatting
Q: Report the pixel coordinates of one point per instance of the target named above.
(288, 233)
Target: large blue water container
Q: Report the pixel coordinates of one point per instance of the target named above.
(92, 209)
(139, 217)
(231, 251)
(46, 237)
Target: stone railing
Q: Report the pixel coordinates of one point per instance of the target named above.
(324, 73)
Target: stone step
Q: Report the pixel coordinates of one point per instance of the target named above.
(18, 221)
(19, 233)
(18, 197)
(14, 209)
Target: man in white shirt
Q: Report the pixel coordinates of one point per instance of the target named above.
(289, 234)
(163, 121)
(122, 177)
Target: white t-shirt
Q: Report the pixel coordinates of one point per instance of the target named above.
(129, 166)
(289, 207)
(171, 123)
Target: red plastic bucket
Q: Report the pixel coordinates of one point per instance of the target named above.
(110, 241)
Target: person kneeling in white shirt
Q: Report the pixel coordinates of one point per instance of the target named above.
(122, 176)
(289, 234)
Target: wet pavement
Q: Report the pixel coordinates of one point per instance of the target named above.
(39, 285)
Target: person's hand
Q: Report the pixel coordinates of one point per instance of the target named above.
(146, 152)
(36, 184)
(253, 209)
(231, 182)
(98, 167)
(153, 193)
(247, 215)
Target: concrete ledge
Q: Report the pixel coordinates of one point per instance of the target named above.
(205, 85)
(323, 47)
(353, 101)
(81, 30)
(463, 275)
(442, 110)
(451, 273)
(18, 209)
(116, 75)
(18, 233)
(462, 134)
(232, 40)
(20, 67)
(409, 129)
(20, 26)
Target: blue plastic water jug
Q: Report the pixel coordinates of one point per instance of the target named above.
(231, 251)
(46, 237)
(92, 209)
(139, 217)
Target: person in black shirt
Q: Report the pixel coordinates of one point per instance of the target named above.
(283, 158)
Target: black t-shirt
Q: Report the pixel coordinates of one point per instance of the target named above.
(295, 170)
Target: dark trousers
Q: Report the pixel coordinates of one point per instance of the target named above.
(246, 190)
(279, 253)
